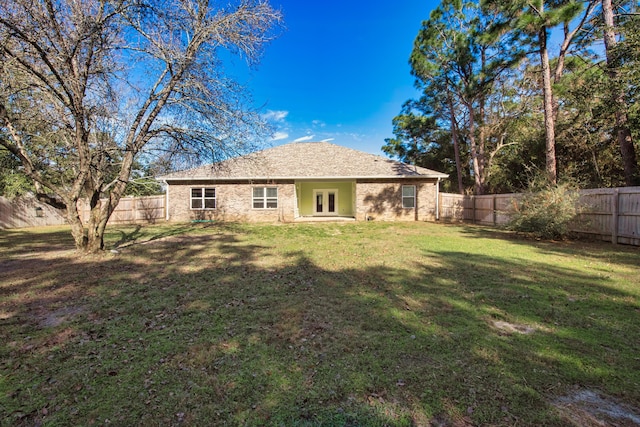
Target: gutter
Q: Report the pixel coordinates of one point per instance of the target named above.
(437, 200)
(166, 198)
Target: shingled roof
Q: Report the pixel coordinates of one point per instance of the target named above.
(309, 160)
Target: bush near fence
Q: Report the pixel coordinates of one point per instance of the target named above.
(610, 214)
(27, 211)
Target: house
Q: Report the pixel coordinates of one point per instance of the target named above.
(304, 180)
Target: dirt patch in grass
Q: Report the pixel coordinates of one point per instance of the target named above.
(587, 408)
(513, 328)
(52, 319)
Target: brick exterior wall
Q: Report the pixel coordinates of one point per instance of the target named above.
(234, 202)
(379, 200)
(382, 201)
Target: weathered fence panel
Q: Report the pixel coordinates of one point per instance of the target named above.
(484, 208)
(489, 209)
(452, 207)
(27, 211)
(505, 203)
(149, 209)
(597, 210)
(611, 214)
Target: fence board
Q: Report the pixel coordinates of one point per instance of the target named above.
(21, 212)
(452, 207)
(484, 209)
(488, 209)
(27, 211)
(611, 214)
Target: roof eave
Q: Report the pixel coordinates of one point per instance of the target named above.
(301, 178)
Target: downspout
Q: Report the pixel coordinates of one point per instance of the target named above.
(166, 200)
(438, 200)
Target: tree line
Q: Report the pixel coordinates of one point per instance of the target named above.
(520, 92)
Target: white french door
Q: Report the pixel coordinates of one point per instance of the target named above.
(325, 202)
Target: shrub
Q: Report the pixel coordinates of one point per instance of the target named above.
(545, 213)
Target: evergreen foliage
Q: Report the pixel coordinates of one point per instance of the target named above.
(545, 212)
(479, 68)
(13, 182)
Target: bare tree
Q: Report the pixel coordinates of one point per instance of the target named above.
(86, 86)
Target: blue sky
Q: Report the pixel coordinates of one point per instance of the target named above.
(339, 71)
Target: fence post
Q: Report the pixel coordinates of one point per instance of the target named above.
(494, 209)
(614, 216)
(473, 209)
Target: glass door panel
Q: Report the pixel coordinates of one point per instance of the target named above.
(325, 202)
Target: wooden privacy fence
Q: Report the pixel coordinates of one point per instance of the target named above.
(488, 210)
(29, 212)
(131, 210)
(610, 214)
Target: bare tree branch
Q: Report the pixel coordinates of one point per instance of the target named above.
(86, 86)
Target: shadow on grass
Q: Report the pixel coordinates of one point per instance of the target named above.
(24, 241)
(138, 234)
(128, 236)
(220, 327)
(583, 246)
(27, 241)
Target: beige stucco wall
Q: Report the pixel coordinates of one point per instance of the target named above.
(233, 203)
(382, 201)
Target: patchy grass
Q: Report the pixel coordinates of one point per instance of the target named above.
(315, 324)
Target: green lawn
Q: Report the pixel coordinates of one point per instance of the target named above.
(316, 324)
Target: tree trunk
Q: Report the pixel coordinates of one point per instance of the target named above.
(631, 174)
(482, 134)
(95, 241)
(456, 144)
(549, 122)
(625, 140)
(475, 160)
(557, 73)
(77, 228)
(89, 237)
(96, 226)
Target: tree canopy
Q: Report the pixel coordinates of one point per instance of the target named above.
(525, 89)
(86, 88)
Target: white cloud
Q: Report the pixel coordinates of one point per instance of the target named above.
(276, 116)
(328, 140)
(319, 123)
(279, 135)
(304, 138)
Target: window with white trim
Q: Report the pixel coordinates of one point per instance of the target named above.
(203, 198)
(408, 196)
(265, 197)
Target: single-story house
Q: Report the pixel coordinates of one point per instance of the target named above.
(303, 180)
